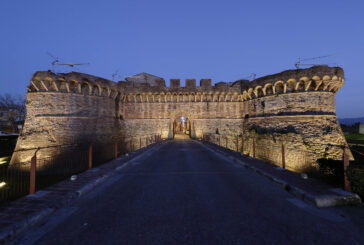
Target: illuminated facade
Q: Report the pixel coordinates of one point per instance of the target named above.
(294, 107)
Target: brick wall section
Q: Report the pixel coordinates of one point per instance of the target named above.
(295, 107)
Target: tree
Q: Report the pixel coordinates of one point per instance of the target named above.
(12, 110)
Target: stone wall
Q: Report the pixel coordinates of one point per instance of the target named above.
(65, 110)
(295, 108)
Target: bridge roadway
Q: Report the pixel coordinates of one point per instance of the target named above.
(186, 194)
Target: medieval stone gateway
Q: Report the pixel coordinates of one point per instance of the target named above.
(294, 107)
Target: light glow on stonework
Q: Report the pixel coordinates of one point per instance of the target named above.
(2, 184)
(3, 162)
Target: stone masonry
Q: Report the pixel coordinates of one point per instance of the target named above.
(295, 108)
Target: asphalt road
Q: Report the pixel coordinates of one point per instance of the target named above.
(186, 194)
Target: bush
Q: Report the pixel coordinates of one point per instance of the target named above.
(355, 173)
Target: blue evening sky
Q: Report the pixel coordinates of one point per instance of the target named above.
(223, 40)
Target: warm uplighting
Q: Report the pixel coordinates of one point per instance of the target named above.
(4, 160)
(2, 184)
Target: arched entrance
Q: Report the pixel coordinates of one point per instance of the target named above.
(181, 125)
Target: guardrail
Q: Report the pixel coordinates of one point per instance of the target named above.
(22, 178)
(280, 149)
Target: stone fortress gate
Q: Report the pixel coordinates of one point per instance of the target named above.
(294, 107)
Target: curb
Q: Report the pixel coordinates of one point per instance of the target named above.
(341, 198)
(9, 233)
(13, 231)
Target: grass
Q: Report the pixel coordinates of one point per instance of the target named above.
(355, 136)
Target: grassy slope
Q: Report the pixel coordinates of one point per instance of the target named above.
(355, 136)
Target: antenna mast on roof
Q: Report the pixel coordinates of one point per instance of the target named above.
(56, 61)
(116, 75)
(298, 64)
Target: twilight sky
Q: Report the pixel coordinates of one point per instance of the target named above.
(223, 40)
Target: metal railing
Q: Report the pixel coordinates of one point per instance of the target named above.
(22, 178)
(278, 153)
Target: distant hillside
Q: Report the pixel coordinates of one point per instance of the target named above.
(350, 121)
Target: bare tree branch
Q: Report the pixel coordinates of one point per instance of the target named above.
(12, 110)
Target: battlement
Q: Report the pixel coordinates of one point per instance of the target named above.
(74, 82)
(317, 78)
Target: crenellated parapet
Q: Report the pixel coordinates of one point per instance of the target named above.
(175, 87)
(75, 83)
(315, 79)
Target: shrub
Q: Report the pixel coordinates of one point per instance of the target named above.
(355, 173)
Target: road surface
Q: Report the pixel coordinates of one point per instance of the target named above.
(187, 194)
